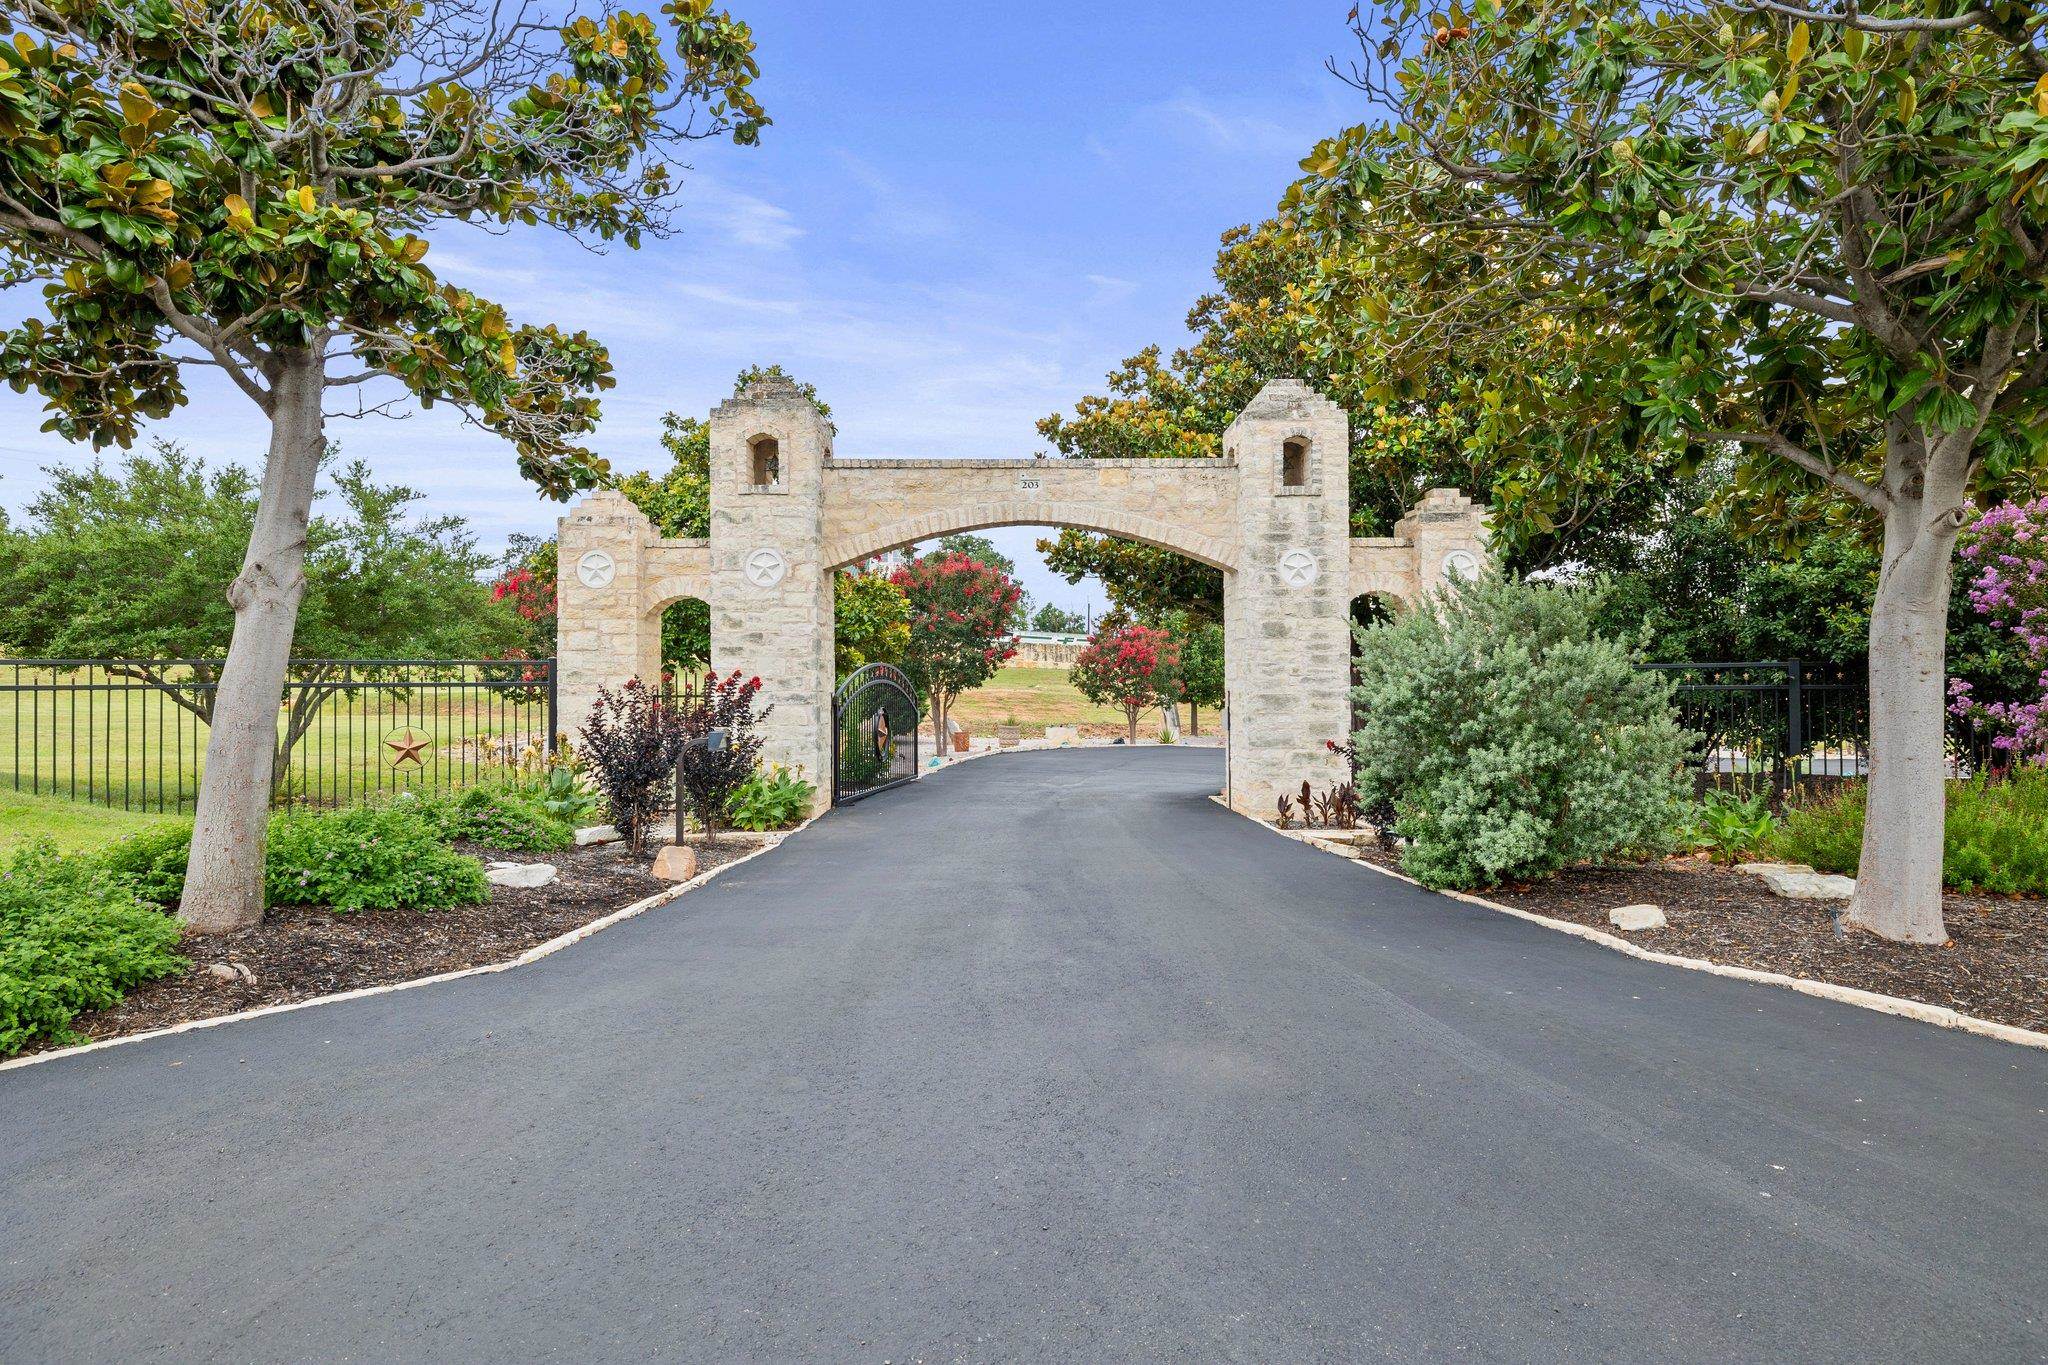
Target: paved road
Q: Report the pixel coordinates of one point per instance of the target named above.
(1045, 1057)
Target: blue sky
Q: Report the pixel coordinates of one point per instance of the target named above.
(963, 216)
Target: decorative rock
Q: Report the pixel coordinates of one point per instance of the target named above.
(597, 834)
(1758, 869)
(520, 874)
(1632, 918)
(223, 971)
(675, 863)
(1807, 885)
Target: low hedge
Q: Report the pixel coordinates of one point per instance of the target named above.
(361, 858)
(73, 937)
(1996, 837)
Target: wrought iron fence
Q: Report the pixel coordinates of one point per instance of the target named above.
(132, 732)
(1790, 723)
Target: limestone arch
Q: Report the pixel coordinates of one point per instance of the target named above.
(1100, 518)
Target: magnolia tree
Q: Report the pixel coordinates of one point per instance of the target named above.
(960, 610)
(1814, 237)
(243, 187)
(1133, 668)
(2006, 550)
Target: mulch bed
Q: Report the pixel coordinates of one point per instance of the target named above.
(302, 951)
(1995, 965)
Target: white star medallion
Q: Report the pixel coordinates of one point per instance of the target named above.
(1298, 568)
(1460, 565)
(596, 570)
(765, 567)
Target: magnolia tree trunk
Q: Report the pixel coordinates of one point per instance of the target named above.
(1898, 879)
(224, 880)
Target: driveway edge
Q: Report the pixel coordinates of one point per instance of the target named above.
(533, 954)
(1939, 1015)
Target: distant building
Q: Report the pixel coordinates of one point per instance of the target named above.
(1047, 649)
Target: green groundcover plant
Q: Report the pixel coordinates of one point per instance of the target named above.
(1512, 739)
(772, 798)
(495, 817)
(368, 859)
(1995, 836)
(73, 937)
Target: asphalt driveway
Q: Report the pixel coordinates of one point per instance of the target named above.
(1047, 1056)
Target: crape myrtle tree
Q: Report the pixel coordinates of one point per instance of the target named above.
(960, 612)
(1813, 236)
(1130, 667)
(243, 187)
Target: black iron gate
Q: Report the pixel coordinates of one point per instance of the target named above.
(874, 732)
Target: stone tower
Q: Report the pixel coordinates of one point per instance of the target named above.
(1286, 610)
(770, 587)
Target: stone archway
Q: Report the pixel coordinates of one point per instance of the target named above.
(1273, 513)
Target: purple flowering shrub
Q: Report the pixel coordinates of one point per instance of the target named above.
(2005, 552)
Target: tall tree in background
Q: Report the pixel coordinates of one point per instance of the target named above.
(130, 564)
(1550, 486)
(960, 612)
(1200, 676)
(242, 187)
(1816, 237)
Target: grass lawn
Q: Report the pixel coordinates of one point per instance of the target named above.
(1039, 697)
(70, 825)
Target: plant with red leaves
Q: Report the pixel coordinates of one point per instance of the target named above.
(1133, 667)
(710, 779)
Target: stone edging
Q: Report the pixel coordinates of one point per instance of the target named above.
(533, 954)
(1939, 1015)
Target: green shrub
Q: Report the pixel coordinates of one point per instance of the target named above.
(1996, 834)
(152, 862)
(368, 858)
(499, 817)
(1511, 739)
(73, 937)
(772, 798)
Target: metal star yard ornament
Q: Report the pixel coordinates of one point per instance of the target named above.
(408, 745)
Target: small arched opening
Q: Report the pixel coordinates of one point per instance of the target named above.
(765, 464)
(1294, 463)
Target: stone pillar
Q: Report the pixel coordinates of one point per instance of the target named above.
(602, 636)
(1287, 652)
(1448, 533)
(771, 590)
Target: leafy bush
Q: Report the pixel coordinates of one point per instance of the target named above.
(631, 742)
(772, 798)
(1728, 825)
(152, 863)
(73, 937)
(1996, 834)
(710, 780)
(496, 817)
(368, 858)
(1511, 739)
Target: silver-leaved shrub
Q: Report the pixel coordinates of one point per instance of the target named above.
(1512, 739)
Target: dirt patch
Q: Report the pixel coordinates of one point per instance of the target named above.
(300, 951)
(1995, 965)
